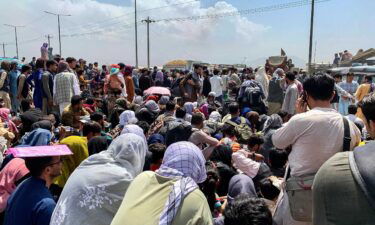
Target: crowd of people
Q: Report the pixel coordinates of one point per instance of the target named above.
(217, 146)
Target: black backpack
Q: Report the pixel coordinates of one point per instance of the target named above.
(176, 132)
(253, 95)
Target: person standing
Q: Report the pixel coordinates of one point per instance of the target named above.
(351, 87)
(307, 134)
(47, 84)
(262, 77)
(217, 86)
(13, 77)
(65, 86)
(129, 84)
(23, 87)
(291, 95)
(121, 76)
(192, 84)
(364, 89)
(36, 77)
(4, 84)
(275, 92)
(145, 81)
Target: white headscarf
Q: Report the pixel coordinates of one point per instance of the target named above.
(127, 117)
(134, 129)
(94, 191)
(262, 77)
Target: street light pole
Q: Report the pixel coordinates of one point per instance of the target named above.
(4, 50)
(148, 21)
(311, 35)
(58, 25)
(136, 34)
(15, 34)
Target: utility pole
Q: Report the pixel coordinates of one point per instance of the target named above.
(311, 34)
(49, 41)
(58, 24)
(4, 50)
(316, 43)
(15, 34)
(136, 34)
(148, 21)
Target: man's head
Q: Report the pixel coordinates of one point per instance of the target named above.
(319, 90)
(234, 109)
(5, 65)
(26, 104)
(278, 158)
(255, 142)
(157, 151)
(39, 64)
(72, 62)
(228, 130)
(76, 103)
(290, 77)
(51, 66)
(13, 66)
(368, 108)
(122, 67)
(216, 71)
(368, 79)
(349, 77)
(197, 120)
(96, 64)
(211, 97)
(246, 210)
(338, 78)
(198, 69)
(97, 117)
(352, 109)
(170, 106)
(280, 72)
(45, 168)
(26, 69)
(180, 113)
(91, 129)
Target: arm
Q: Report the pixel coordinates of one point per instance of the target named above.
(286, 135)
(246, 165)
(2, 79)
(76, 89)
(46, 88)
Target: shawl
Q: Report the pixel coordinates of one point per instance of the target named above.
(127, 117)
(262, 77)
(95, 190)
(37, 137)
(241, 184)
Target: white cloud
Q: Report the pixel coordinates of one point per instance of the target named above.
(213, 40)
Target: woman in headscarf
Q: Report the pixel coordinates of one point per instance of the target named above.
(171, 194)
(241, 184)
(262, 77)
(270, 126)
(159, 78)
(153, 107)
(78, 145)
(94, 191)
(127, 117)
(134, 129)
(44, 124)
(97, 145)
(37, 137)
(189, 108)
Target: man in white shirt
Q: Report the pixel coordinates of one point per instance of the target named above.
(314, 136)
(291, 95)
(217, 86)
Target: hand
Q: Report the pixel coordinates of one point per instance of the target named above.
(301, 106)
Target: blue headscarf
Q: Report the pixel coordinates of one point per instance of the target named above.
(38, 137)
(156, 138)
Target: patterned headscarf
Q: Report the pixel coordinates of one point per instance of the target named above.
(274, 122)
(185, 161)
(152, 106)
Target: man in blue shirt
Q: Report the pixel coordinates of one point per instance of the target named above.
(13, 75)
(32, 203)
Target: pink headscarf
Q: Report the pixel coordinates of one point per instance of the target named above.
(11, 173)
(4, 114)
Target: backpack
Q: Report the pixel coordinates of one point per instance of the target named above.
(177, 132)
(243, 130)
(114, 83)
(253, 95)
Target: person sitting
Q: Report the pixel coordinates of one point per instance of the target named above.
(171, 194)
(205, 142)
(277, 162)
(32, 199)
(73, 112)
(343, 187)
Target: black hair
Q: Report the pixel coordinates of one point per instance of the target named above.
(157, 150)
(368, 108)
(80, 71)
(278, 158)
(91, 127)
(36, 165)
(90, 101)
(144, 125)
(197, 119)
(291, 76)
(121, 65)
(75, 100)
(228, 129)
(255, 139)
(233, 108)
(246, 210)
(70, 59)
(180, 113)
(5, 65)
(39, 64)
(319, 87)
(50, 63)
(25, 105)
(369, 79)
(170, 106)
(197, 66)
(268, 190)
(216, 71)
(96, 116)
(208, 187)
(352, 109)
(25, 68)
(338, 76)
(282, 113)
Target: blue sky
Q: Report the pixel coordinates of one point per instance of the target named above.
(339, 25)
